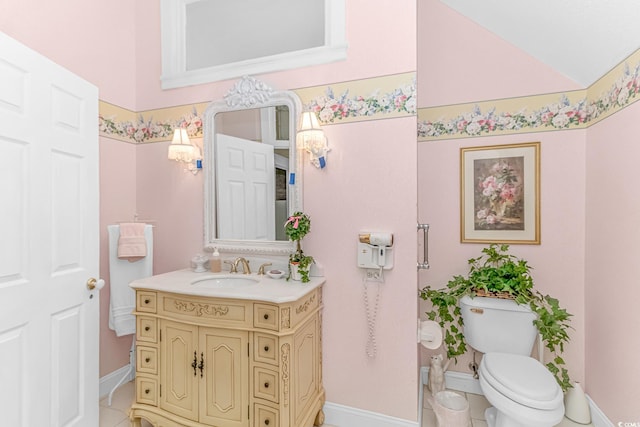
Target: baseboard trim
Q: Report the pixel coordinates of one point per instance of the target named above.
(109, 381)
(345, 416)
(598, 418)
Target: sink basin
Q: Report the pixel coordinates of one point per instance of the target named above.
(226, 282)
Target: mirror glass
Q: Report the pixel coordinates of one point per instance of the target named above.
(252, 171)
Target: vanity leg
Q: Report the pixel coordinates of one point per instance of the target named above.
(135, 421)
(319, 418)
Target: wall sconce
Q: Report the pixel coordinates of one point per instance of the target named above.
(182, 150)
(310, 137)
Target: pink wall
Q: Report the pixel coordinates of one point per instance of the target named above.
(499, 71)
(369, 185)
(589, 206)
(94, 39)
(558, 262)
(116, 46)
(372, 193)
(612, 268)
(117, 204)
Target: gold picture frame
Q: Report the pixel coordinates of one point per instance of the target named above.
(500, 194)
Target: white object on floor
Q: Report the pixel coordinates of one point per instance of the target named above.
(576, 406)
(122, 272)
(451, 409)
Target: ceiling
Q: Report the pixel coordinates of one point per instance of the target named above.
(581, 39)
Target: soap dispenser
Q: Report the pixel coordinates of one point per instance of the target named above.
(215, 263)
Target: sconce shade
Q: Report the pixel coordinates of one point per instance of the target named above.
(180, 148)
(309, 121)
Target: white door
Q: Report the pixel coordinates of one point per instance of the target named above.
(245, 175)
(49, 242)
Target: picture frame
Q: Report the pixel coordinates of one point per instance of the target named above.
(500, 194)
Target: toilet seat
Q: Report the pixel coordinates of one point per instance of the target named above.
(521, 379)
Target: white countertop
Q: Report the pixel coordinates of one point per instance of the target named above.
(267, 289)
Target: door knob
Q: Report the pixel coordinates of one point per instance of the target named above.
(95, 284)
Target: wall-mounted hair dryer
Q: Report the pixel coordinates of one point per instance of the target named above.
(375, 250)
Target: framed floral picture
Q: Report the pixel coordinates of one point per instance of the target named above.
(500, 194)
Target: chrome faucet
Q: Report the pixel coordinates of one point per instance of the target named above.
(245, 265)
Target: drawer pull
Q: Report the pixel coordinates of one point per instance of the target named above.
(266, 316)
(148, 359)
(147, 391)
(147, 328)
(266, 348)
(147, 301)
(266, 385)
(266, 422)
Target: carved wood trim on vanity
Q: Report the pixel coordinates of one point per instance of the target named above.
(286, 349)
(285, 318)
(201, 309)
(305, 306)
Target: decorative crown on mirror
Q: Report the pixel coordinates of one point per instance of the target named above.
(247, 92)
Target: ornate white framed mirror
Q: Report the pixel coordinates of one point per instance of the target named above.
(253, 170)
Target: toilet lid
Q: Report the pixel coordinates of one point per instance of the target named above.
(521, 379)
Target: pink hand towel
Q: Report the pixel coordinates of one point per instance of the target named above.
(131, 244)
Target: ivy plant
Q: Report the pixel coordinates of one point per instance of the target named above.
(500, 274)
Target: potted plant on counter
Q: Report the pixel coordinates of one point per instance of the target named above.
(296, 227)
(499, 274)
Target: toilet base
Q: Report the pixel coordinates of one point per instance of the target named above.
(499, 419)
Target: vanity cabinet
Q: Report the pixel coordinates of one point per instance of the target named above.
(225, 362)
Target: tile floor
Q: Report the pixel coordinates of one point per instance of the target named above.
(477, 406)
(116, 414)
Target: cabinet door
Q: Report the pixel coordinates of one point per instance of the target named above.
(178, 379)
(224, 400)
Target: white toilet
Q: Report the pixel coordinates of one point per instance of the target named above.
(522, 391)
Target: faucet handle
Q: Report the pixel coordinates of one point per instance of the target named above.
(261, 269)
(233, 268)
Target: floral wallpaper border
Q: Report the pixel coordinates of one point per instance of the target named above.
(379, 97)
(359, 100)
(619, 88)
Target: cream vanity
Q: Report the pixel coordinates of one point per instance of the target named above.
(228, 350)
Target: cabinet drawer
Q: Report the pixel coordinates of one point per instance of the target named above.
(147, 390)
(147, 359)
(146, 329)
(265, 316)
(265, 416)
(146, 301)
(266, 384)
(265, 348)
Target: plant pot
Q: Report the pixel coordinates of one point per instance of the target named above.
(295, 271)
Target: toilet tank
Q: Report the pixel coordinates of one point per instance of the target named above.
(498, 325)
